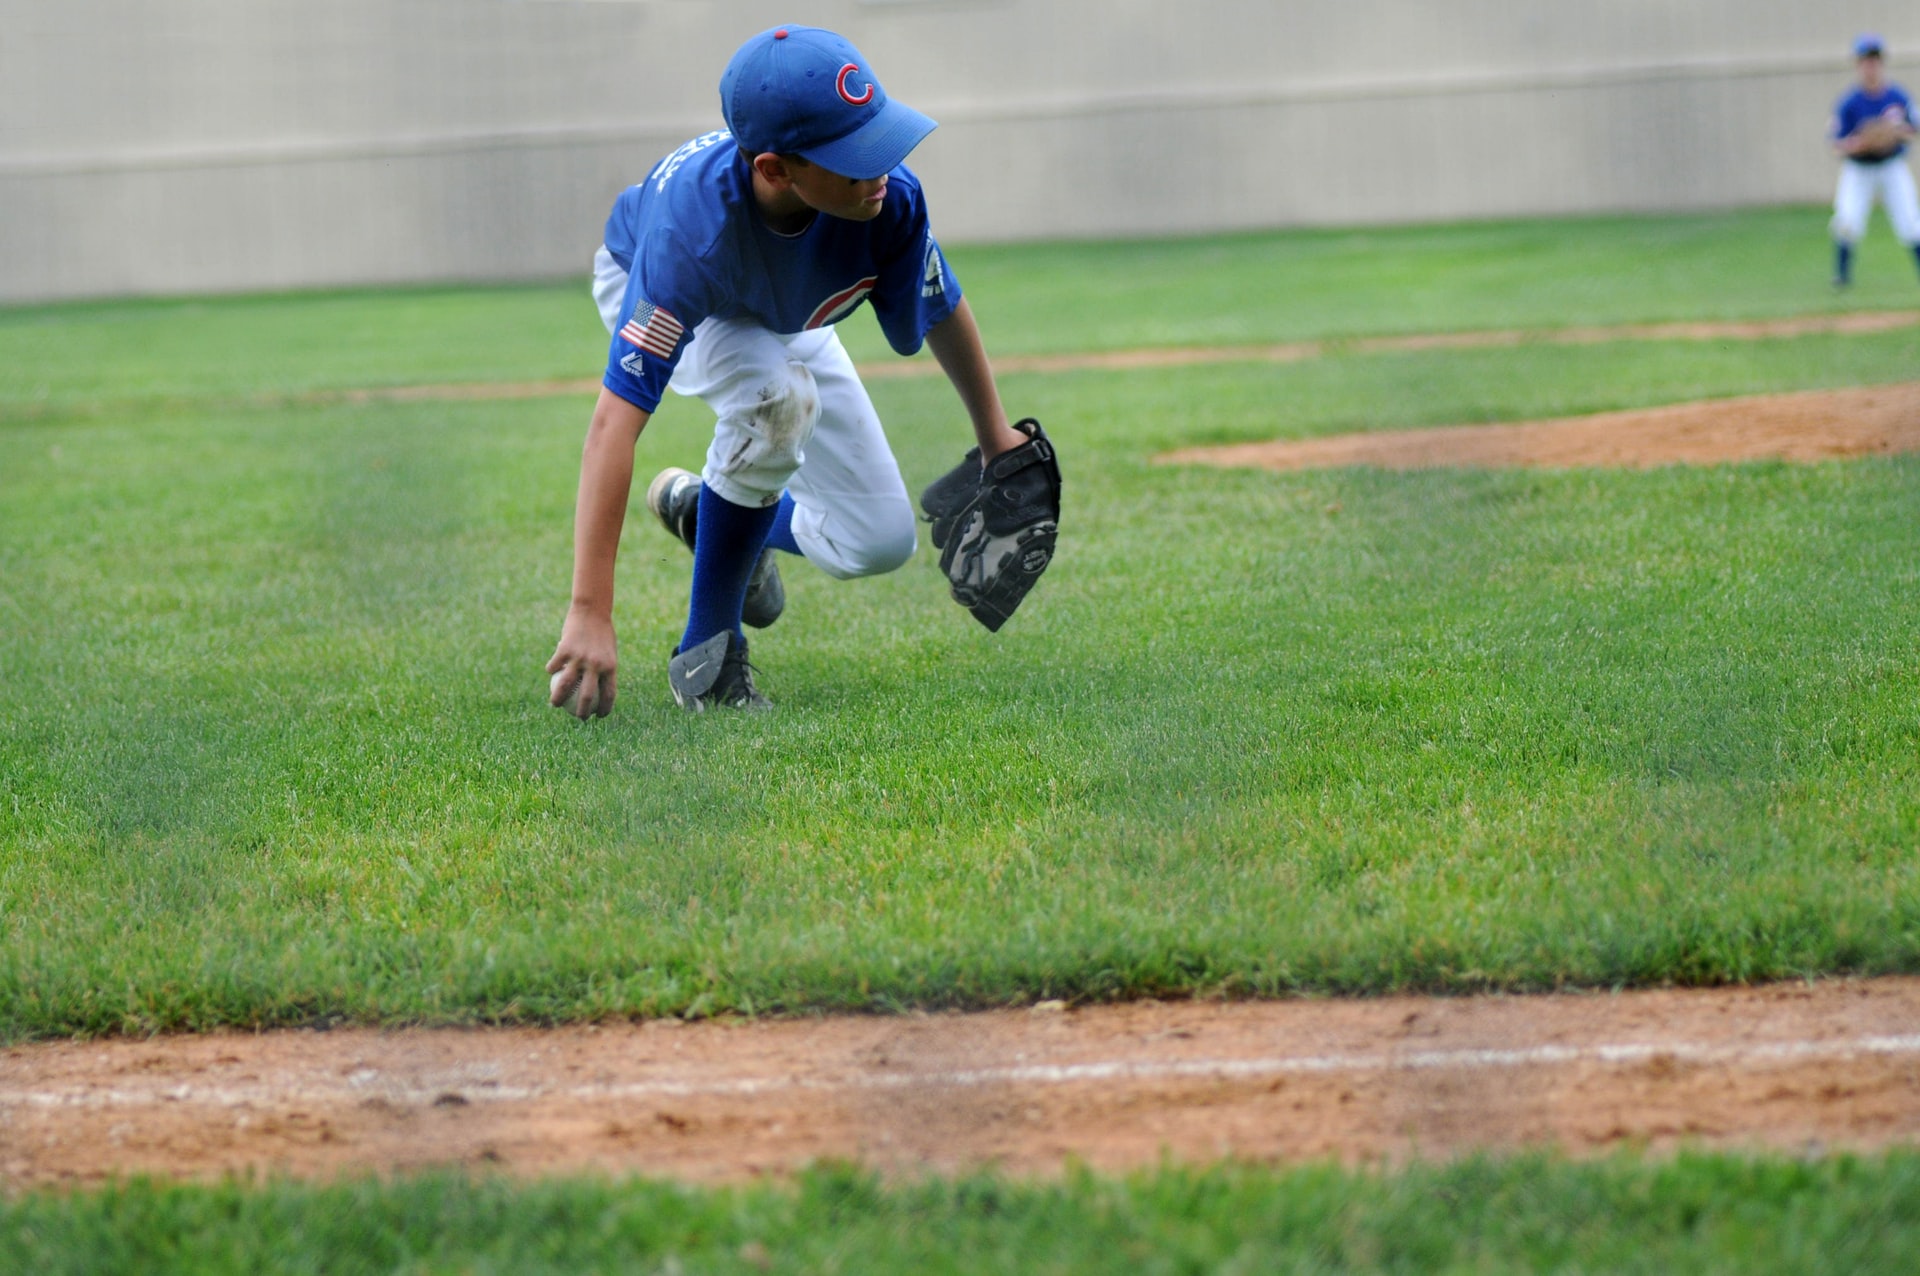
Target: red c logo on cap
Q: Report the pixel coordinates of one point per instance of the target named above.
(840, 83)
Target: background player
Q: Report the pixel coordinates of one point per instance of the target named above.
(725, 272)
(1871, 125)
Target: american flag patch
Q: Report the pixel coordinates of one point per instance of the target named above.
(653, 330)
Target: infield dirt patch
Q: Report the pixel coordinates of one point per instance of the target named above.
(1820, 425)
(1799, 1067)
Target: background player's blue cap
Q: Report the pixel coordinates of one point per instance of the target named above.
(1868, 46)
(807, 92)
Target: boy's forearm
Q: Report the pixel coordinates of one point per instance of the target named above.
(955, 342)
(600, 509)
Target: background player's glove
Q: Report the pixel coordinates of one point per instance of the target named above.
(1879, 135)
(995, 527)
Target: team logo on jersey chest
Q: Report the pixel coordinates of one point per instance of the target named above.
(842, 303)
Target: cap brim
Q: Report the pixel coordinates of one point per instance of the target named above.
(877, 147)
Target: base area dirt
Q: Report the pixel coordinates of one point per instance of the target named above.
(1796, 1067)
(1814, 426)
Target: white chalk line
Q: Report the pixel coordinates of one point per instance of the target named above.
(368, 1084)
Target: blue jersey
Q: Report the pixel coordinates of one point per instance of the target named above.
(695, 247)
(1857, 107)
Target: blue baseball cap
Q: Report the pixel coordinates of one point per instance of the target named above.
(1868, 46)
(807, 92)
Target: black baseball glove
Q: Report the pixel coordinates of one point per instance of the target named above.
(995, 526)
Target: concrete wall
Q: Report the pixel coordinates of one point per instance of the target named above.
(196, 145)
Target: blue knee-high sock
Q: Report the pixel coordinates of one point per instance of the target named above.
(1916, 256)
(781, 537)
(730, 540)
(1842, 261)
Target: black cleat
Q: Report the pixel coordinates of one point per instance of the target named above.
(715, 675)
(674, 498)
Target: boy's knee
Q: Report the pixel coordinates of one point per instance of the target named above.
(788, 410)
(869, 547)
(779, 424)
(891, 548)
(757, 448)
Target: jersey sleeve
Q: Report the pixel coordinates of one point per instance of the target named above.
(915, 288)
(1849, 114)
(618, 235)
(667, 295)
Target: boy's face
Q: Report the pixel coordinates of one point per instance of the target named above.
(856, 199)
(1873, 73)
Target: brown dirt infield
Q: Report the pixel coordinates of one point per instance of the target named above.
(1820, 425)
(1798, 1067)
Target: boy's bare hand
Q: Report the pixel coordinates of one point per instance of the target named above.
(583, 665)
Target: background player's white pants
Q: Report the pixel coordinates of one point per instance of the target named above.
(1892, 182)
(792, 416)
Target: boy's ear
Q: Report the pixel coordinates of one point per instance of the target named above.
(773, 169)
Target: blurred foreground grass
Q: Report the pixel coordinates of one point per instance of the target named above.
(1697, 1214)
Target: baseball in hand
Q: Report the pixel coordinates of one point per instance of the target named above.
(571, 700)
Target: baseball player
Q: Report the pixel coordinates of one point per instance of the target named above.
(721, 276)
(1870, 128)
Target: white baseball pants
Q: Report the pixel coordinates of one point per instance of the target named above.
(1891, 182)
(792, 416)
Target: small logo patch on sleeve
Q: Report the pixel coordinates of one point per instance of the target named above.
(934, 279)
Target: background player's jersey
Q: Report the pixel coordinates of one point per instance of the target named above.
(694, 247)
(1856, 108)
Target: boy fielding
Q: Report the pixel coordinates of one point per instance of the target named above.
(723, 273)
(1871, 126)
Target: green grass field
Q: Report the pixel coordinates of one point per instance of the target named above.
(276, 751)
(1695, 1214)
(274, 747)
